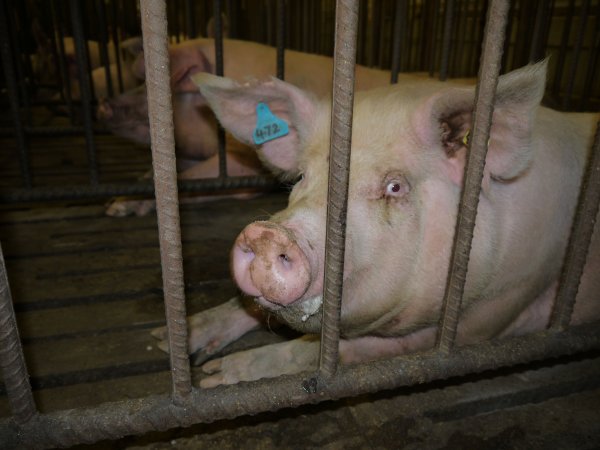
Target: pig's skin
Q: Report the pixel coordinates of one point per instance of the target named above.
(410, 138)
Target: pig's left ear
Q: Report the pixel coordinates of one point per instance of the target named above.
(449, 118)
(240, 109)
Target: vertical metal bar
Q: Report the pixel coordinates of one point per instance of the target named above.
(84, 88)
(14, 370)
(485, 92)
(346, 28)
(191, 19)
(434, 28)
(537, 41)
(280, 39)
(15, 45)
(583, 16)
(154, 32)
(591, 69)
(448, 22)
(101, 10)
(62, 61)
(13, 97)
(562, 53)
(116, 44)
(579, 241)
(218, 18)
(399, 33)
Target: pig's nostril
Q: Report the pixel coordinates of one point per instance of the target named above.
(285, 260)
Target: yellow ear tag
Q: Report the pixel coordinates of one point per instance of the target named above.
(465, 139)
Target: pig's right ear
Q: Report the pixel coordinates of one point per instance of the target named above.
(236, 108)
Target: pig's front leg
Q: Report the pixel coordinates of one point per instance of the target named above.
(302, 354)
(269, 361)
(238, 164)
(211, 330)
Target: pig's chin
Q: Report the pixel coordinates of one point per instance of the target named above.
(303, 316)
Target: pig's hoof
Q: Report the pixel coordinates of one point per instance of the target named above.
(122, 207)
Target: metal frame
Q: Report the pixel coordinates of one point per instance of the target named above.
(187, 405)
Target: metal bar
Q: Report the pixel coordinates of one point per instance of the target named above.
(434, 33)
(15, 46)
(13, 97)
(562, 53)
(281, 39)
(482, 118)
(190, 14)
(581, 236)
(14, 370)
(154, 32)
(62, 62)
(591, 69)
(346, 28)
(399, 33)
(84, 88)
(448, 22)
(218, 20)
(101, 11)
(583, 16)
(117, 419)
(208, 185)
(115, 40)
(539, 31)
(50, 131)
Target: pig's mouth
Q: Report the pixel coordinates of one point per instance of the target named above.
(303, 316)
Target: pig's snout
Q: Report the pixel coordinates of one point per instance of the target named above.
(267, 262)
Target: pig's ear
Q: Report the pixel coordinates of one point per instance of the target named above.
(236, 108)
(450, 117)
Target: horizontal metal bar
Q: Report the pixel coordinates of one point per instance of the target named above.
(117, 419)
(109, 190)
(51, 131)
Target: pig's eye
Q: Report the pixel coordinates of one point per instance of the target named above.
(396, 188)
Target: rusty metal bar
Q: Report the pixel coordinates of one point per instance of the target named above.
(482, 118)
(398, 38)
(581, 236)
(346, 28)
(84, 88)
(14, 370)
(218, 20)
(581, 26)
(281, 39)
(448, 24)
(117, 419)
(154, 32)
(111, 190)
(13, 96)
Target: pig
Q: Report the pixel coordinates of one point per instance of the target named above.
(407, 161)
(195, 126)
(194, 122)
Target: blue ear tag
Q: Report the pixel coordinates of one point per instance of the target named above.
(268, 125)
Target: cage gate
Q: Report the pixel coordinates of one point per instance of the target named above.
(187, 405)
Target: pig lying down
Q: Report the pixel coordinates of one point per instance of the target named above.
(194, 123)
(407, 163)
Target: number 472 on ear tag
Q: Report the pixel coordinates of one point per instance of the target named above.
(268, 125)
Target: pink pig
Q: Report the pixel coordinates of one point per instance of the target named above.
(406, 173)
